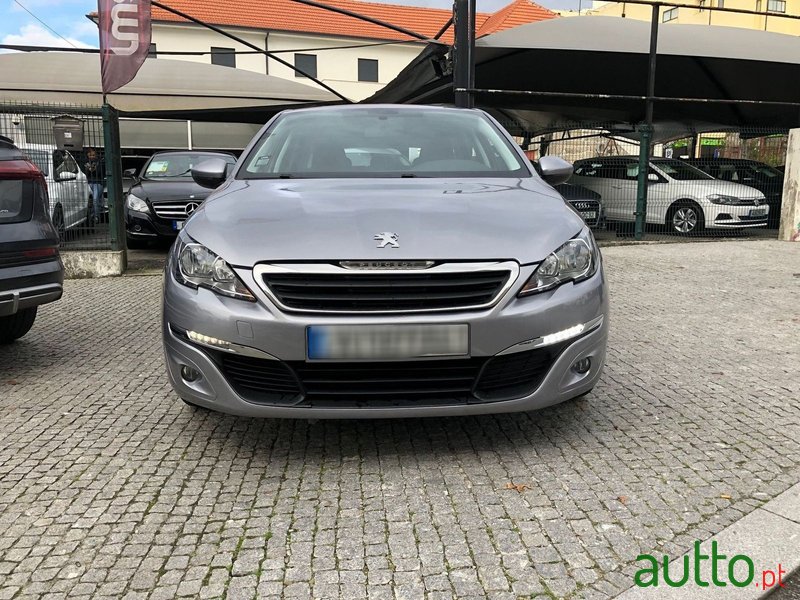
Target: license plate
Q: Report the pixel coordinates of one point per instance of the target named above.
(589, 215)
(758, 212)
(177, 225)
(387, 342)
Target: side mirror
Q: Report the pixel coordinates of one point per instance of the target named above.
(129, 173)
(210, 173)
(653, 178)
(66, 176)
(555, 170)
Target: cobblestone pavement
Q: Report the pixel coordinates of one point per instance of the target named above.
(111, 487)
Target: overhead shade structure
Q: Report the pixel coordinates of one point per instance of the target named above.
(551, 72)
(163, 88)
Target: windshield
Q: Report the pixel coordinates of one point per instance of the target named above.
(383, 142)
(174, 166)
(765, 172)
(679, 170)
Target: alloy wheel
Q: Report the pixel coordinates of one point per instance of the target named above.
(685, 219)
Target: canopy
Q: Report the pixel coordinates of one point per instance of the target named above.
(163, 87)
(598, 56)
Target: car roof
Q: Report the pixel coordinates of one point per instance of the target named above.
(9, 151)
(399, 107)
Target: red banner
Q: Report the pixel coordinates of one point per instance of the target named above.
(124, 40)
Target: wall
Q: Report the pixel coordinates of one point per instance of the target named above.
(700, 16)
(338, 68)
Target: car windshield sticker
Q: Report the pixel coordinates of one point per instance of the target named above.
(159, 166)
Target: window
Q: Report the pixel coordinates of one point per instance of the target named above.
(306, 63)
(367, 69)
(776, 6)
(670, 15)
(758, 5)
(153, 51)
(225, 57)
(720, 3)
(383, 142)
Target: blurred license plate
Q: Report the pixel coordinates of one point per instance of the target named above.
(366, 342)
(589, 215)
(758, 212)
(177, 225)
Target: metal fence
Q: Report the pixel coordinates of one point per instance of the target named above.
(67, 144)
(714, 184)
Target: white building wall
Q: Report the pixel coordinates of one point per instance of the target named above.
(337, 68)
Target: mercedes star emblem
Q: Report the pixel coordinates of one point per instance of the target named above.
(191, 207)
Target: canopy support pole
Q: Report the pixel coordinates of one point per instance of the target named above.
(647, 129)
(464, 52)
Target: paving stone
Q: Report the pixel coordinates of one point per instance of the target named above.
(110, 487)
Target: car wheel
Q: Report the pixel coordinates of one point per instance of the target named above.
(685, 218)
(15, 326)
(58, 223)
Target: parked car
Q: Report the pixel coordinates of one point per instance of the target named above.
(683, 198)
(131, 166)
(163, 195)
(768, 180)
(453, 282)
(67, 186)
(587, 202)
(31, 273)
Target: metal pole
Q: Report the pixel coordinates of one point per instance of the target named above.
(111, 141)
(646, 128)
(461, 41)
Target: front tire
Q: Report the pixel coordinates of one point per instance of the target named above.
(685, 218)
(15, 326)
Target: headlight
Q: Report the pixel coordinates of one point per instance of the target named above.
(196, 266)
(722, 199)
(135, 203)
(574, 261)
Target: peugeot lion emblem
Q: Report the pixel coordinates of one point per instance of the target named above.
(756, 201)
(387, 238)
(191, 207)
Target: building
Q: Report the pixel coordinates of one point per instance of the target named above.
(354, 57)
(768, 20)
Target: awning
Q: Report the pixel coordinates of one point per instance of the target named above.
(543, 75)
(164, 88)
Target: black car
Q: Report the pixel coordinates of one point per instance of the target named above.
(31, 272)
(767, 180)
(587, 202)
(163, 195)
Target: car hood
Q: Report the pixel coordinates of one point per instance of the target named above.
(251, 221)
(165, 191)
(702, 187)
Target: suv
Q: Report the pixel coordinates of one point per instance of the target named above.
(30, 267)
(683, 198)
(768, 180)
(70, 196)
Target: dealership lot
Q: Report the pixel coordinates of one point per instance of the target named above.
(111, 487)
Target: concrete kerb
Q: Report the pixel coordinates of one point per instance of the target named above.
(769, 536)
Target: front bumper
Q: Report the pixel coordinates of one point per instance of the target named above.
(262, 327)
(146, 227)
(735, 216)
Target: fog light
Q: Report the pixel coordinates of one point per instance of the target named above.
(189, 374)
(582, 366)
(137, 228)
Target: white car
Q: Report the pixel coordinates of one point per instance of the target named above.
(678, 195)
(67, 186)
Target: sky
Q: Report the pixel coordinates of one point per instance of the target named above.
(72, 28)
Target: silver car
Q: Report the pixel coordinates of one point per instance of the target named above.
(437, 274)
